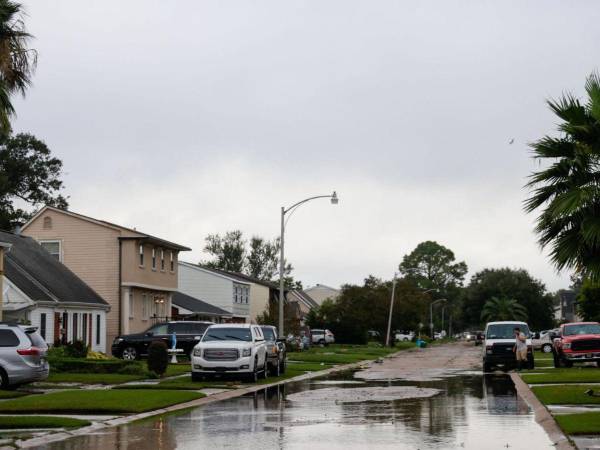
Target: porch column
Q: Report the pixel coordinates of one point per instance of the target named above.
(125, 310)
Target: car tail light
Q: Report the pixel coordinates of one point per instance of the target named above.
(33, 351)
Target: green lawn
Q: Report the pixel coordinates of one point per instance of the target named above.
(178, 369)
(573, 375)
(91, 378)
(583, 423)
(566, 395)
(16, 422)
(344, 354)
(97, 401)
(11, 394)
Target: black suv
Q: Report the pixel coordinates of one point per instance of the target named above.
(276, 351)
(132, 346)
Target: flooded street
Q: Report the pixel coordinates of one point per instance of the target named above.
(456, 410)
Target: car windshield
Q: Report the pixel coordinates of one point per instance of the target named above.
(268, 333)
(227, 334)
(505, 330)
(587, 328)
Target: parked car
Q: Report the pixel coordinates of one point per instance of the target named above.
(577, 342)
(22, 355)
(133, 346)
(404, 336)
(322, 337)
(470, 336)
(230, 349)
(499, 344)
(276, 350)
(543, 340)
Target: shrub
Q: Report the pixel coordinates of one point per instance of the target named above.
(97, 355)
(80, 365)
(76, 349)
(158, 358)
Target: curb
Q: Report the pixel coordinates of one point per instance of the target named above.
(60, 436)
(542, 415)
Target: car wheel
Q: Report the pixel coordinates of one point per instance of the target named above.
(129, 353)
(197, 376)
(3, 379)
(547, 348)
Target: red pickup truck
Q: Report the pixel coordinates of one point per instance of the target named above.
(577, 342)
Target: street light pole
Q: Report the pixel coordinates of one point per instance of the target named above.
(387, 337)
(431, 314)
(334, 201)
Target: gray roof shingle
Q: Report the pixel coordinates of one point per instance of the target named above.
(40, 276)
(197, 306)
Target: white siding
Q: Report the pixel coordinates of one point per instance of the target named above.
(211, 288)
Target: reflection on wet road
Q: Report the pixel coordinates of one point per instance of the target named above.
(471, 412)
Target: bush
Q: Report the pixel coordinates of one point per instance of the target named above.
(76, 349)
(158, 358)
(79, 365)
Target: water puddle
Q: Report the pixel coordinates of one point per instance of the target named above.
(464, 411)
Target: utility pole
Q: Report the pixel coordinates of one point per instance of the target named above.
(389, 327)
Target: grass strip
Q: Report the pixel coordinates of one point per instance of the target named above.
(575, 375)
(97, 401)
(582, 423)
(91, 378)
(566, 395)
(16, 422)
(12, 394)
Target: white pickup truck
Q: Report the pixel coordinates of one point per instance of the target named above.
(230, 349)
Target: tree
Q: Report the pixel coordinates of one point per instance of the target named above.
(361, 308)
(588, 301)
(515, 284)
(28, 174)
(432, 266)
(567, 188)
(17, 62)
(229, 251)
(499, 309)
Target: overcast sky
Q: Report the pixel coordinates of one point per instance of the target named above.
(194, 117)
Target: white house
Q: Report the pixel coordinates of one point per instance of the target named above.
(220, 290)
(40, 290)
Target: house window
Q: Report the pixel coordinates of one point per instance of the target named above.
(43, 325)
(246, 295)
(145, 307)
(172, 263)
(141, 255)
(47, 223)
(162, 259)
(153, 259)
(131, 305)
(52, 247)
(97, 329)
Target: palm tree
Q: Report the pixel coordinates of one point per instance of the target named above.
(17, 62)
(567, 188)
(497, 309)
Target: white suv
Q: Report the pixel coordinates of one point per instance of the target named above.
(230, 349)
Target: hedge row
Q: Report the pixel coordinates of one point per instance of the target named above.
(81, 365)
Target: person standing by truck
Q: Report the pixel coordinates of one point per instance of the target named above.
(520, 348)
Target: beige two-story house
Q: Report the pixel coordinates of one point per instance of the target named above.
(134, 272)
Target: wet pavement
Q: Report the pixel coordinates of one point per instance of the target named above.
(470, 411)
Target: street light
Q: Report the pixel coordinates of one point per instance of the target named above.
(439, 300)
(334, 201)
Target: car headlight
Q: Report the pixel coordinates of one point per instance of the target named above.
(247, 352)
(197, 352)
(567, 345)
